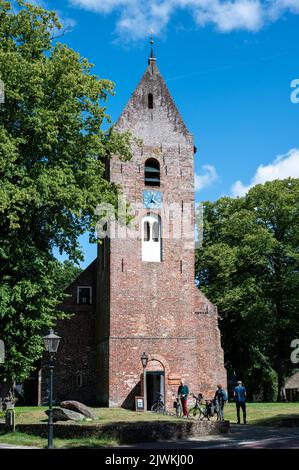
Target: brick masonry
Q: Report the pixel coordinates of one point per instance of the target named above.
(75, 365)
(144, 306)
(151, 306)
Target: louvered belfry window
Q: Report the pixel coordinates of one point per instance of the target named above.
(152, 172)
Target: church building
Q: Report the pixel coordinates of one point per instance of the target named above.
(139, 295)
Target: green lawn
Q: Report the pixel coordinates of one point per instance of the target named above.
(22, 439)
(265, 414)
(257, 413)
(28, 414)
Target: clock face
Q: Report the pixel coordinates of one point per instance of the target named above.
(152, 199)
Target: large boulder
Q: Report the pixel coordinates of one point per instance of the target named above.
(78, 407)
(61, 414)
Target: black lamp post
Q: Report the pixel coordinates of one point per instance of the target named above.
(51, 342)
(144, 361)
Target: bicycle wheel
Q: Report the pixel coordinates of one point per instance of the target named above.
(194, 413)
(203, 414)
(154, 407)
(161, 408)
(158, 407)
(214, 414)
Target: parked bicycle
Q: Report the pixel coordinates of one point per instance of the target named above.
(202, 408)
(197, 410)
(209, 410)
(158, 405)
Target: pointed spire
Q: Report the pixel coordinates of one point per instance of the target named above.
(151, 58)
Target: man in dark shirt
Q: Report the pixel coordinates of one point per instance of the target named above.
(240, 397)
(183, 392)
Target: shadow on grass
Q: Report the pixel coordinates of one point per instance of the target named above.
(281, 420)
(89, 446)
(74, 435)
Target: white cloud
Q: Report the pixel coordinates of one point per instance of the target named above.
(208, 177)
(136, 18)
(284, 166)
(279, 6)
(227, 16)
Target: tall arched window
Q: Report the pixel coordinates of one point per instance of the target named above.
(150, 101)
(151, 238)
(152, 172)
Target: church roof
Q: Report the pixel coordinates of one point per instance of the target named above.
(151, 113)
(293, 381)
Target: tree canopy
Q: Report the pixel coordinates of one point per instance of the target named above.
(53, 153)
(249, 266)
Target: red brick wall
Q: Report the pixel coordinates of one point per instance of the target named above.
(77, 350)
(103, 324)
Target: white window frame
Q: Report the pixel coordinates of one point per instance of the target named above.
(151, 250)
(84, 287)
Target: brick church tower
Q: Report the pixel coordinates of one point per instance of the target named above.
(148, 301)
(139, 294)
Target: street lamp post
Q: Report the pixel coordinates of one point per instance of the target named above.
(51, 342)
(144, 361)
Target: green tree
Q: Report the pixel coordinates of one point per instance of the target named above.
(66, 273)
(249, 266)
(53, 153)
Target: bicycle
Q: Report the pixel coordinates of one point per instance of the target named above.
(201, 412)
(196, 412)
(209, 410)
(158, 405)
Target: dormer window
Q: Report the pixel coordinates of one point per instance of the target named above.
(152, 172)
(84, 295)
(150, 101)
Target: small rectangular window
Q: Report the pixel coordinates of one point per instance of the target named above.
(79, 379)
(84, 295)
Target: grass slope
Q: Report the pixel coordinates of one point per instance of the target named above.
(265, 414)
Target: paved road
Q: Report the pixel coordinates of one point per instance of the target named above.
(240, 436)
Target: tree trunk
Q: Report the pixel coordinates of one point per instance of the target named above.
(281, 386)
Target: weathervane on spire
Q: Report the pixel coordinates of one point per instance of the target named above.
(151, 57)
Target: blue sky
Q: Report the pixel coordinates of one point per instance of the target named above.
(228, 65)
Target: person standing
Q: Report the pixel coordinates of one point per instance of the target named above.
(240, 397)
(183, 392)
(220, 398)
